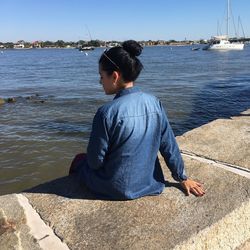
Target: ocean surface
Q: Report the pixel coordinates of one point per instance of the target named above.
(57, 93)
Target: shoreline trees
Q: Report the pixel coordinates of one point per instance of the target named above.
(91, 43)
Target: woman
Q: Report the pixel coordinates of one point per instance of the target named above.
(127, 133)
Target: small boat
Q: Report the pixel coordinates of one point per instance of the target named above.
(195, 48)
(83, 48)
(223, 42)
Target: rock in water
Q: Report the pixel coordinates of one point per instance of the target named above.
(11, 100)
(2, 101)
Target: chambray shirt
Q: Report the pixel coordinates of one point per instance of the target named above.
(127, 134)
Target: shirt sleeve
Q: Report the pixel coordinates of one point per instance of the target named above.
(170, 151)
(98, 142)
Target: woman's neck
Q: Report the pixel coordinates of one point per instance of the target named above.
(125, 85)
(128, 85)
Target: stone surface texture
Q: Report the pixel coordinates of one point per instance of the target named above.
(225, 140)
(157, 222)
(14, 232)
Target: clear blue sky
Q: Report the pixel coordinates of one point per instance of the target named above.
(68, 20)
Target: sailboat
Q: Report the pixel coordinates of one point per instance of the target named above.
(223, 42)
(83, 48)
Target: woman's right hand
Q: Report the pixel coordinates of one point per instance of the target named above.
(193, 187)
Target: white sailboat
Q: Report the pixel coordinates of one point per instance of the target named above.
(223, 42)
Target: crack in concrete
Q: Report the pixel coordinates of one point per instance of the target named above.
(44, 237)
(227, 166)
(19, 241)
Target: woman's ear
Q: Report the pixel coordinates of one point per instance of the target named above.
(116, 77)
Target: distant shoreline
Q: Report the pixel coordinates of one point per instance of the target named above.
(165, 45)
(98, 43)
(93, 43)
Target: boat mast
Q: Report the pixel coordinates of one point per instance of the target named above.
(228, 10)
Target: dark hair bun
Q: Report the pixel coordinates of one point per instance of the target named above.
(132, 47)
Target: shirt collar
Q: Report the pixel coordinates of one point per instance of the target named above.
(127, 91)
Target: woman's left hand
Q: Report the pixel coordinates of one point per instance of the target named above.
(193, 187)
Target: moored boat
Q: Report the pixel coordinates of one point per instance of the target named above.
(222, 42)
(83, 48)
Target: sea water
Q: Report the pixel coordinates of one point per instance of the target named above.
(57, 93)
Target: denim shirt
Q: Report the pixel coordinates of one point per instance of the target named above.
(127, 133)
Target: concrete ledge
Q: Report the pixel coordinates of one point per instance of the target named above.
(218, 220)
(14, 232)
(22, 228)
(225, 140)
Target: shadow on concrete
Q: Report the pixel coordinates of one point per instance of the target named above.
(174, 185)
(70, 187)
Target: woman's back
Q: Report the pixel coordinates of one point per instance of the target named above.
(132, 122)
